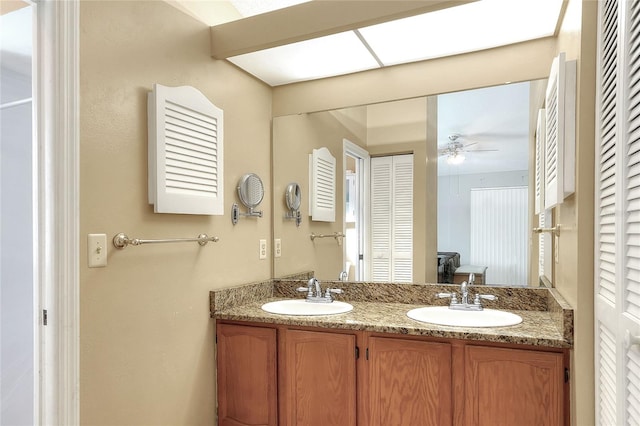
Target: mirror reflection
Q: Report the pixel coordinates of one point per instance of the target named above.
(427, 189)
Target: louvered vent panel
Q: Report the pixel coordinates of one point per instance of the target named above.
(191, 151)
(185, 152)
(322, 180)
(632, 282)
(607, 157)
(325, 185)
(551, 136)
(607, 377)
(632, 389)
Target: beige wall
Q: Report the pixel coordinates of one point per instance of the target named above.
(146, 342)
(574, 271)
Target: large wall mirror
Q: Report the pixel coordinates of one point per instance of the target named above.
(466, 206)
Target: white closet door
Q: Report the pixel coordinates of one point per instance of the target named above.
(617, 266)
(392, 218)
(402, 224)
(381, 214)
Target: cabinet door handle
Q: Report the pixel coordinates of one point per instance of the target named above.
(630, 340)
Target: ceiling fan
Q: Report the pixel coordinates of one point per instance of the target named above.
(455, 149)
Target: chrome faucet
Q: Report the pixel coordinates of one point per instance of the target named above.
(464, 288)
(344, 276)
(464, 304)
(314, 284)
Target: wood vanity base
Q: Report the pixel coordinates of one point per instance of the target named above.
(271, 374)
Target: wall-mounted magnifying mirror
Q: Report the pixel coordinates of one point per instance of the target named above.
(250, 192)
(293, 196)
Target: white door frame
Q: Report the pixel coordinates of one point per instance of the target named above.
(56, 104)
(362, 155)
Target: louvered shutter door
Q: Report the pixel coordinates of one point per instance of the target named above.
(392, 218)
(554, 124)
(322, 180)
(630, 317)
(185, 152)
(606, 187)
(402, 229)
(617, 286)
(381, 210)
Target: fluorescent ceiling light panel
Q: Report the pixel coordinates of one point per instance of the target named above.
(336, 54)
(470, 27)
(256, 7)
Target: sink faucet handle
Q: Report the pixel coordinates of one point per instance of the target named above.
(329, 291)
(302, 289)
(452, 296)
(488, 296)
(485, 297)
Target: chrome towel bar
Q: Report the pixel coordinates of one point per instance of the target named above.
(555, 230)
(121, 240)
(335, 235)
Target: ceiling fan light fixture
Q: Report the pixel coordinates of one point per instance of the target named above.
(455, 158)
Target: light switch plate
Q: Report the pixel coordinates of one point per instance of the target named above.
(277, 247)
(97, 250)
(263, 249)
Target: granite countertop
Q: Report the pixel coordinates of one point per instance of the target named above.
(547, 319)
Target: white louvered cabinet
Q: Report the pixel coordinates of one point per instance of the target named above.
(322, 184)
(185, 152)
(617, 240)
(392, 218)
(559, 136)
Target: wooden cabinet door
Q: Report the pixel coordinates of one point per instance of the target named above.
(513, 387)
(409, 382)
(247, 375)
(318, 378)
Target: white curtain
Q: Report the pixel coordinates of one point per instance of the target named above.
(499, 233)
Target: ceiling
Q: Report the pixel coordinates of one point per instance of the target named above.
(466, 27)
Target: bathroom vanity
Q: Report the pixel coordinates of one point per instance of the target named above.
(376, 366)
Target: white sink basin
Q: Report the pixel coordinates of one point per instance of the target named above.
(442, 315)
(302, 307)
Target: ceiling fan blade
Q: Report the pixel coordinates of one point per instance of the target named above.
(492, 136)
(482, 150)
